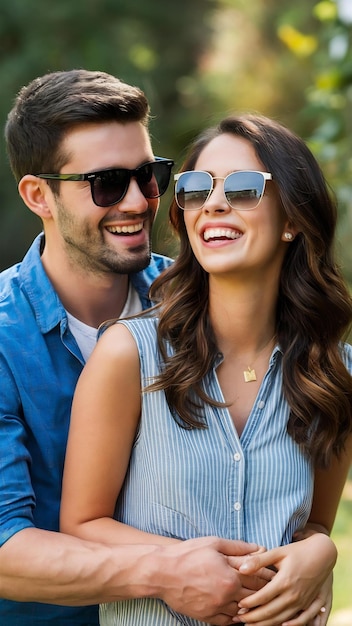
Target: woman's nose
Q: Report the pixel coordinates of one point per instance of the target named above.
(217, 202)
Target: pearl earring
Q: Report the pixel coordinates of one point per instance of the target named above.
(288, 236)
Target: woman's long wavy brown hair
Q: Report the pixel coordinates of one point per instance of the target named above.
(314, 308)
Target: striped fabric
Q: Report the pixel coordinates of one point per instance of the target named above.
(191, 483)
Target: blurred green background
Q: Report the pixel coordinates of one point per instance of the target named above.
(198, 60)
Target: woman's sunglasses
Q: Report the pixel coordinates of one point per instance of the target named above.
(109, 187)
(243, 189)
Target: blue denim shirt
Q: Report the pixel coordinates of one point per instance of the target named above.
(39, 366)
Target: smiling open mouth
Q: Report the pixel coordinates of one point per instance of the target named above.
(131, 229)
(221, 233)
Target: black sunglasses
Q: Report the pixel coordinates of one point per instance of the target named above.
(110, 186)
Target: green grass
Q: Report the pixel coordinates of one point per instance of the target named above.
(342, 535)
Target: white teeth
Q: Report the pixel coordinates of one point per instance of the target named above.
(216, 233)
(132, 228)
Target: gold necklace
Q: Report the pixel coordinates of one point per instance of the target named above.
(249, 374)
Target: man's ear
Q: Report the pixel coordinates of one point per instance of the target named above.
(35, 192)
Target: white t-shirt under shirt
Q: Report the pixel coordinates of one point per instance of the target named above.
(86, 336)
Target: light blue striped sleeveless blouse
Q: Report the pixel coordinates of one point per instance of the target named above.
(191, 483)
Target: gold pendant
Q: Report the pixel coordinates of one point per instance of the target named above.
(249, 375)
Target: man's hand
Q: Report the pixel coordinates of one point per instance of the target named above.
(196, 578)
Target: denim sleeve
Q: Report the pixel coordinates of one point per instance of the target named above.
(347, 356)
(143, 280)
(16, 494)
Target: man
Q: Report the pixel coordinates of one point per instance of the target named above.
(79, 148)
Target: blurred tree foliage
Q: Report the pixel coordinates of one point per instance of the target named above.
(328, 103)
(197, 61)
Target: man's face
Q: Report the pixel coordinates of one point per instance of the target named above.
(113, 239)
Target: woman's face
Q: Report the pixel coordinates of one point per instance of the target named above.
(248, 244)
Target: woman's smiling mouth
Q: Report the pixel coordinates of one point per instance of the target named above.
(221, 233)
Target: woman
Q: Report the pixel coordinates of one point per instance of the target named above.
(248, 393)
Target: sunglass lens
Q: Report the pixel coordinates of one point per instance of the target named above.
(193, 189)
(153, 179)
(243, 190)
(110, 186)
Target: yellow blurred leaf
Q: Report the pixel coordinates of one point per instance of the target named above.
(328, 80)
(325, 10)
(301, 45)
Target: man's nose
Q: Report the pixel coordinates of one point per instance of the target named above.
(134, 201)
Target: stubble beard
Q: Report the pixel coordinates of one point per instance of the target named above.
(135, 261)
(90, 252)
(100, 259)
